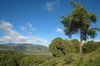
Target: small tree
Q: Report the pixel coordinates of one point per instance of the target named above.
(57, 47)
(79, 22)
(60, 47)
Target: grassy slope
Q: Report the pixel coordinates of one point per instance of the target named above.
(27, 48)
(90, 59)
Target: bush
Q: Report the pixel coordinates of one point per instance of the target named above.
(15, 58)
(32, 60)
(60, 47)
(90, 46)
(57, 47)
(10, 58)
(68, 59)
(79, 62)
(76, 44)
(52, 62)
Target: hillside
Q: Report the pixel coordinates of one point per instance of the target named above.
(26, 48)
(73, 59)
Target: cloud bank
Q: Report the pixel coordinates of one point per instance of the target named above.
(13, 36)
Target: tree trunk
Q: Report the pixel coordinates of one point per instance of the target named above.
(80, 49)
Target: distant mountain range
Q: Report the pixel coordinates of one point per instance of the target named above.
(27, 48)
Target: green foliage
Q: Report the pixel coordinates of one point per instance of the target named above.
(90, 46)
(10, 58)
(79, 21)
(57, 47)
(82, 62)
(68, 59)
(92, 59)
(69, 47)
(15, 58)
(32, 60)
(52, 62)
(79, 62)
(76, 44)
(60, 47)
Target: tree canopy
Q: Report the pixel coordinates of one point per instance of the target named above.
(79, 22)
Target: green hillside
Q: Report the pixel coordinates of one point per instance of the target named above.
(26, 48)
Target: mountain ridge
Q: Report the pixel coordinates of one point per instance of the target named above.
(27, 48)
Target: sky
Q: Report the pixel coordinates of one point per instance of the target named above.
(38, 21)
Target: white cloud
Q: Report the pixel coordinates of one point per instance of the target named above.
(37, 39)
(6, 27)
(7, 39)
(14, 36)
(50, 6)
(59, 30)
(28, 28)
(23, 28)
(31, 27)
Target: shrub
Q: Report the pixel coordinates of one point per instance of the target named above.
(68, 59)
(52, 62)
(32, 60)
(79, 62)
(60, 47)
(91, 59)
(90, 46)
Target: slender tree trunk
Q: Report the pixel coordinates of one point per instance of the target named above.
(80, 49)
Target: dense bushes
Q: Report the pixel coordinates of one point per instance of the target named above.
(73, 59)
(60, 47)
(68, 49)
(57, 47)
(90, 46)
(15, 58)
(32, 60)
(10, 58)
(52, 62)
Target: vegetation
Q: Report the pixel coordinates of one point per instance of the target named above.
(27, 48)
(72, 59)
(81, 20)
(92, 59)
(90, 46)
(60, 47)
(91, 56)
(64, 52)
(15, 58)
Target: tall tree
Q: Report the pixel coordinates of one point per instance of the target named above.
(79, 22)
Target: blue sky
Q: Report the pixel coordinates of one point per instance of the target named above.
(38, 21)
